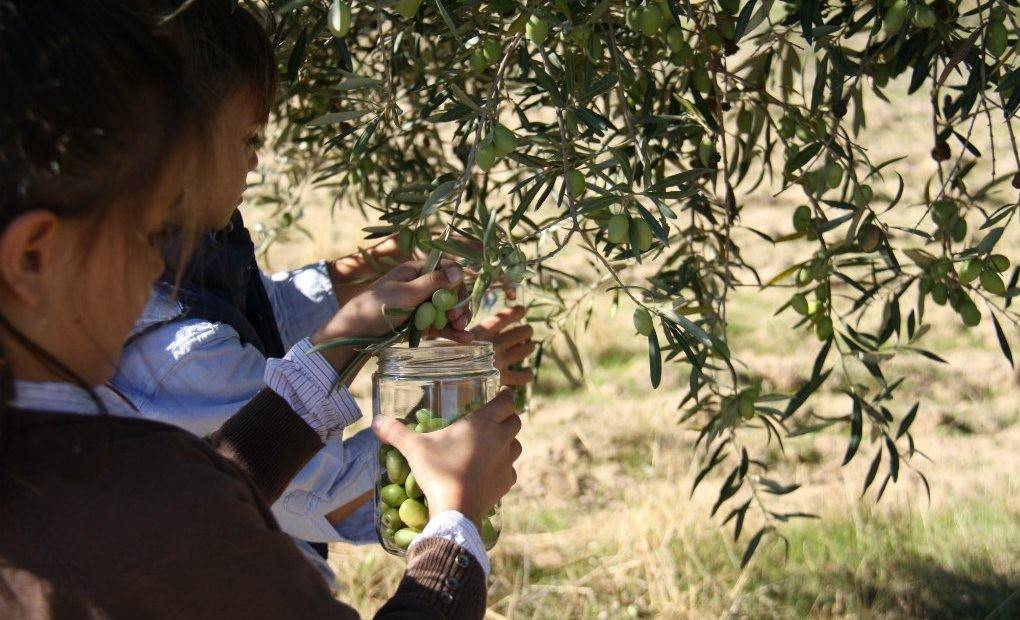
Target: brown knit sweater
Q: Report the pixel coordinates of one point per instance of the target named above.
(118, 517)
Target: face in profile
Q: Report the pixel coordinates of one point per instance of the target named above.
(236, 139)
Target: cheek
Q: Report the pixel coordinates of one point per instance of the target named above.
(106, 299)
(133, 267)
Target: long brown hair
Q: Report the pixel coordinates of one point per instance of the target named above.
(96, 100)
(223, 47)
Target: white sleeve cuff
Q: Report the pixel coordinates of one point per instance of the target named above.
(307, 382)
(456, 528)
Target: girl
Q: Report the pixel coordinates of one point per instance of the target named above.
(200, 349)
(104, 515)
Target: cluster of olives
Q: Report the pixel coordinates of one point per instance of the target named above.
(621, 229)
(946, 214)
(816, 308)
(829, 175)
(654, 20)
(403, 508)
(817, 182)
(740, 405)
(792, 126)
(896, 14)
(499, 143)
(485, 55)
(513, 262)
(340, 18)
(937, 283)
(647, 19)
(433, 313)
(986, 271)
(869, 236)
(925, 16)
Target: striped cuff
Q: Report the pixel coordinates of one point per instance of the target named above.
(455, 527)
(306, 381)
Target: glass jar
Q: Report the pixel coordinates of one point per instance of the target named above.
(427, 388)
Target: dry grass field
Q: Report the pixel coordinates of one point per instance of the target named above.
(602, 524)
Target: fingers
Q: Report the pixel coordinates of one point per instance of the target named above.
(504, 318)
(409, 270)
(498, 409)
(455, 335)
(421, 288)
(508, 472)
(488, 328)
(511, 480)
(460, 316)
(513, 337)
(403, 272)
(392, 431)
(516, 378)
(515, 450)
(514, 355)
(460, 322)
(511, 425)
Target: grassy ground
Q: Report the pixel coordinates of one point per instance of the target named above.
(602, 523)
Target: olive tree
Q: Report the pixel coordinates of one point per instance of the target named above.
(503, 132)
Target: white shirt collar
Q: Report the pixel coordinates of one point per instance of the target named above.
(67, 398)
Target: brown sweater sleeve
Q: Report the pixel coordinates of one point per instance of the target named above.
(268, 441)
(442, 580)
(271, 443)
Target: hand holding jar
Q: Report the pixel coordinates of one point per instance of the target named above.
(447, 445)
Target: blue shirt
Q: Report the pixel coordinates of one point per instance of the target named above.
(195, 374)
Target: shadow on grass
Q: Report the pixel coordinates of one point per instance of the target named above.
(912, 587)
(928, 590)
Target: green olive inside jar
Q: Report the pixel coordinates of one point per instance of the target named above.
(427, 388)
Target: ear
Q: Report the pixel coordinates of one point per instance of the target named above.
(28, 247)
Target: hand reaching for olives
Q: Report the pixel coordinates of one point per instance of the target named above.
(467, 466)
(390, 301)
(511, 344)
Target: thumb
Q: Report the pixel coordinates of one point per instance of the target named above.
(421, 288)
(392, 431)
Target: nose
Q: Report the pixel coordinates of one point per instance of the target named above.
(253, 161)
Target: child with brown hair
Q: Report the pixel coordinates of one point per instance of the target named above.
(105, 514)
(200, 348)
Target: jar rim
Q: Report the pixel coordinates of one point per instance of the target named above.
(437, 357)
(475, 347)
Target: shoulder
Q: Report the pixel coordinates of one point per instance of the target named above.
(164, 327)
(164, 341)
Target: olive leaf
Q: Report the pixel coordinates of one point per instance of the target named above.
(742, 98)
